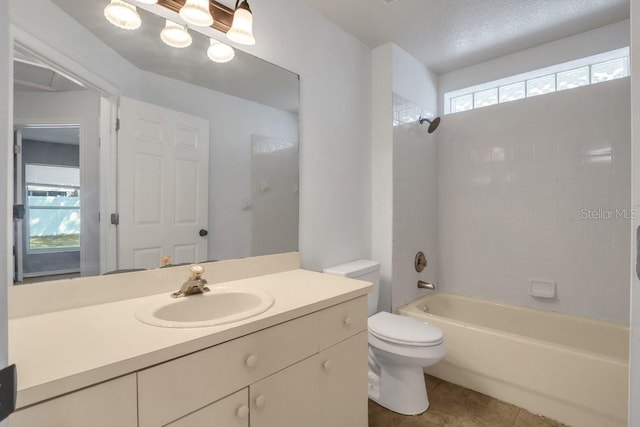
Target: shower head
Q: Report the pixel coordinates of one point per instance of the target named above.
(433, 124)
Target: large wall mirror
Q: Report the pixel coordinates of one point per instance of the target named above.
(202, 164)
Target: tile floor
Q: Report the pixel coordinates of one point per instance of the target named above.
(452, 405)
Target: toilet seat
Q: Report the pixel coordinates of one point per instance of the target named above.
(404, 330)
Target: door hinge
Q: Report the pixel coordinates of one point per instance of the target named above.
(115, 218)
(17, 149)
(117, 124)
(18, 211)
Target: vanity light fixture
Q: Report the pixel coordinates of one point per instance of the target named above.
(220, 52)
(175, 35)
(122, 15)
(236, 23)
(197, 12)
(241, 30)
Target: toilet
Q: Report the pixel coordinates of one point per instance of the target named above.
(399, 347)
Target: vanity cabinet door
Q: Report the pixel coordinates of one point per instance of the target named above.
(173, 389)
(110, 404)
(232, 411)
(343, 383)
(288, 398)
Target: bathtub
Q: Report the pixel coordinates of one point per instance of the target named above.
(568, 368)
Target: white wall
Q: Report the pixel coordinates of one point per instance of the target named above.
(415, 177)
(412, 80)
(232, 121)
(600, 40)
(634, 357)
(514, 180)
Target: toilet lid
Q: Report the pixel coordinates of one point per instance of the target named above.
(404, 330)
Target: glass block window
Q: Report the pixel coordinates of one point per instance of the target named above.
(573, 78)
(541, 85)
(462, 103)
(485, 98)
(610, 70)
(512, 92)
(594, 69)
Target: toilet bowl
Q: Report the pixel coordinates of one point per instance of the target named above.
(399, 348)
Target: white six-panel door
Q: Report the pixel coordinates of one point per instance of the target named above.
(163, 159)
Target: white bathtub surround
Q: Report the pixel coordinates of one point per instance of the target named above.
(567, 368)
(539, 188)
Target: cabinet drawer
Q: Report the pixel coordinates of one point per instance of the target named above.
(342, 321)
(110, 404)
(232, 411)
(168, 391)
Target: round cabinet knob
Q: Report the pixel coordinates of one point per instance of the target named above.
(326, 365)
(243, 411)
(251, 361)
(347, 321)
(261, 401)
(203, 232)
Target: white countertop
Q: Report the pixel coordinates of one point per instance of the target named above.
(62, 351)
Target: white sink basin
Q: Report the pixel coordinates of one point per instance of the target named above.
(218, 306)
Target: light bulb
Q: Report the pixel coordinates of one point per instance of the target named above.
(196, 12)
(220, 52)
(175, 35)
(241, 30)
(122, 15)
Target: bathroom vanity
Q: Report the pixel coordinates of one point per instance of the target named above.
(301, 362)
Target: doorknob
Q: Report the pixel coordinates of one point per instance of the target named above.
(203, 232)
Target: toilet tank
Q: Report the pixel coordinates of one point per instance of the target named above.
(362, 269)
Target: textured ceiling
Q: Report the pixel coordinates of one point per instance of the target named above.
(451, 34)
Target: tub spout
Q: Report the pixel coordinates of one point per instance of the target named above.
(426, 285)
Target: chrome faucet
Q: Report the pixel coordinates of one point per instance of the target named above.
(426, 285)
(195, 284)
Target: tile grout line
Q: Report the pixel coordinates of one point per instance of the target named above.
(436, 386)
(516, 418)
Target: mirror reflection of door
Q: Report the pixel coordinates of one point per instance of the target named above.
(163, 176)
(48, 187)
